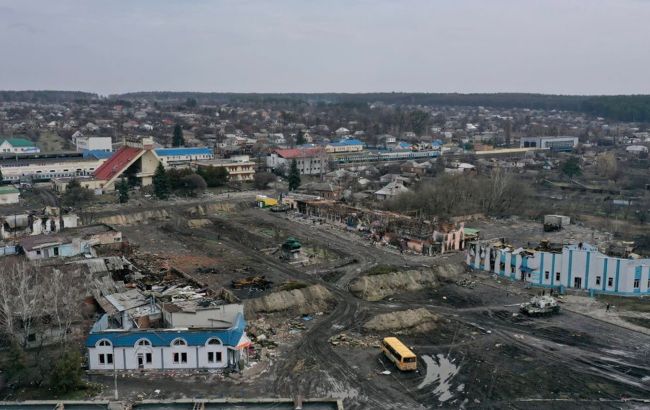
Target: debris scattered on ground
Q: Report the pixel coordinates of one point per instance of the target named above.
(466, 283)
(354, 340)
(258, 281)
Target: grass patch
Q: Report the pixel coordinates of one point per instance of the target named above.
(626, 303)
(293, 285)
(381, 270)
(50, 141)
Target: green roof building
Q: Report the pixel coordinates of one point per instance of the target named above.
(15, 145)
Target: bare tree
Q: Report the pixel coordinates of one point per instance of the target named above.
(21, 296)
(64, 303)
(31, 295)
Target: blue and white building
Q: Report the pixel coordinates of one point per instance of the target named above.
(182, 157)
(579, 266)
(138, 333)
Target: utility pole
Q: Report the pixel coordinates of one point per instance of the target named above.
(115, 377)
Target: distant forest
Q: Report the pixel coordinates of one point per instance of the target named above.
(635, 108)
(46, 97)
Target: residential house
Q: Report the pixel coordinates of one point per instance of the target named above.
(325, 190)
(391, 190)
(46, 221)
(413, 167)
(70, 242)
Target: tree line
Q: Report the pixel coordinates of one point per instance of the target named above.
(499, 193)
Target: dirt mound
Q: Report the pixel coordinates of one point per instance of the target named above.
(134, 218)
(449, 272)
(377, 287)
(403, 322)
(198, 223)
(307, 300)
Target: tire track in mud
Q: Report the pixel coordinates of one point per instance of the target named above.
(314, 345)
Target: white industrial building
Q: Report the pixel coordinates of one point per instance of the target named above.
(310, 161)
(579, 266)
(550, 143)
(84, 143)
(182, 157)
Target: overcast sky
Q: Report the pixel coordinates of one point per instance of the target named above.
(548, 46)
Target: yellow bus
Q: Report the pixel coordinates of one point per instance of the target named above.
(399, 354)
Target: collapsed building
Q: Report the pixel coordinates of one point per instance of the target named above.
(63, 298)
(168, 327)
(426, 237)
(47, 220)
(581, 266)
(70, 242)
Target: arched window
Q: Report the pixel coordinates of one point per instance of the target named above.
(104, 342)
(179, 342)
(214, 341)
(143, 342)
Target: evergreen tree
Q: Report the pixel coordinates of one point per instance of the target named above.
(123, 190)
(300, 138)
(75, 195)
(294, 176)
(571, 167)
(161, 186)
(1, 177)
(214, 176)
(178, 140)
(16, 362)
(67, 372)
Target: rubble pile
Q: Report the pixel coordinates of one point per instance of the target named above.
(466, 283)
(448, 272)
(258, 282)
(346, 340)
(268, 332)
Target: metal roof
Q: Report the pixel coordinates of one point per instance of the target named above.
(167, 152)
(164, 337)
(19, 142)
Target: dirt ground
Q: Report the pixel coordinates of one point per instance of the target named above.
(481, 353)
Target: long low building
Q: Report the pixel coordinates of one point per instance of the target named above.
(240, 168)
(45, 167)
(551, 143)
(579, 266)
(180, 157)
